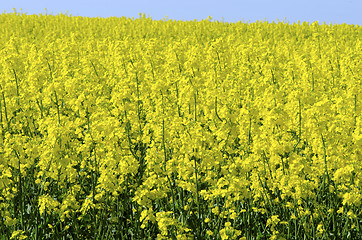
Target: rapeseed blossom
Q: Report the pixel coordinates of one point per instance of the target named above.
(135, 128)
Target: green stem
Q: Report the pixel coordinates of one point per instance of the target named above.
(57, 105)
(20, 192)
(40, 105)
(195, 108)
(138, 105)
(325, 159)
(165, 167)
(17, 87)
(217, 115)
(300, 124)
(95, 70)
(249, 134)
(198, 197)
(5, 110)
(50, 70)
(355, 109)
(1, 115)
(178, 107)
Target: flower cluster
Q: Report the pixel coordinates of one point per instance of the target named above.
(124, 128)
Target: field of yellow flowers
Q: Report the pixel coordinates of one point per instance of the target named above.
(119, 128)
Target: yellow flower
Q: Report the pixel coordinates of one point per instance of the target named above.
(340, 210)
(19, 234)
(351, 214)
(209, 232)
(98, 119)
(233, 215)
(215, 210)
(289, 205)
(320, 228)
(223, 234)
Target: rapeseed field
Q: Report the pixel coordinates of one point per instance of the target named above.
(119, 128)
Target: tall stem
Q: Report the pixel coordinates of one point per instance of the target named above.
(165, 166)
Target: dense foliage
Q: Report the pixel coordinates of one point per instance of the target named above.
(123, 128)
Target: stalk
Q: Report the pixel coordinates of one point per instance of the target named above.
(198, 197)
(217, 115)
(355, 110)
(5, 110)
(17, 87)
(168, 178)
(249, 136)
(1, 115)
(138, 105)
(95, 70)
(57, 105)
(50, 70)
(40, 105)
(195, 108)
(300, 121)
(178, 107)
(300, 124)
(20, 192)
(325, 160)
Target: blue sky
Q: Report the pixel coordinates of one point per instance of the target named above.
(329, 11)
